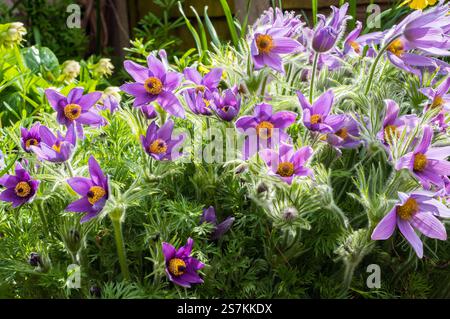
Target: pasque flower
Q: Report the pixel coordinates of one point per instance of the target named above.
(159, 144)
(110, 99)
(30, 137)
(345, 134)
(209, 216)
(316, 117)
(20, 188)
(267, 47)
(427, 164)
(181, 268)
(227, 104)
(267, 127)
(439, 97)
(416, 210)
(154, 84)
(94, 192)
(76, 108)
(287, 163)
(55, 148)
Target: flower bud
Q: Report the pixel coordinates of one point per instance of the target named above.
(324, 39)
(241, 168)
(35, 260)
(95, 291)
(289, 214)
(262, 188)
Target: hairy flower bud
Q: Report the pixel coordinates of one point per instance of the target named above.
(262, 188)
(289, 214)
(35, 260)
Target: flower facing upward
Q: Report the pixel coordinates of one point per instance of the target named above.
(94, 192)
(287, 163)
(159, 144)
(427, 164)
(181, 268)
(20, 188)
(76, 108)
(154, 84)
(30, 137)
(345, 134)
(227, 104)
(209, 216)
(416, 210)
(56, 149)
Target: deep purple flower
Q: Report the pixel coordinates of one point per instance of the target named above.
(149, 111)
(345, 134)
(426, 163)
(355, 43)
(94, 192)
(287, 163)
(264, 128)
(181, 268)
(316, 117)
(209, 216)
(416, 210)
(30, 137)
(110, 99)
(227, 104)
(20, 188)
(267, 47)
(76, 108)
(56, 149)
(159, 144)
(154, 84)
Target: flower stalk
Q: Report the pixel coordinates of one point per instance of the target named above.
(116, 217)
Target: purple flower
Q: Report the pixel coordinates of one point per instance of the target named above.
(393, 125)
(426, 163)
(159, 144)
(181, 268)
(56, 149)
(20, 188)
(354, 43)
(345, 134)
(316, 117)
(286, 163)
(416, 210)
(209, 216)
(110, 99)
(149, 111)
(76, 108)
(267, 47)
(227, 105)
(30, 137)
(154, 84)
(288, 21)
(266, 128)
(439, 97)
(94, 192)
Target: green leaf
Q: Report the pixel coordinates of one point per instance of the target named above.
(211, 29)
(230, 22)
(194, 33)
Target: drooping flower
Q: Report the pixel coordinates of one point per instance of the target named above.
(30, 137)
(416, 210)
(227, 104)
(103, 67)
(56, 149)
(76, 108)
(94, 192)
(345, 134)
(20, 188)
(154, 84)
(287, 163)
(316, 117)
(159, 144)
(266, 127)
(427, 163)
(70, 70)
(110, 99)
(267, 47)
(181, 268)
(209, 216)
(149, 111)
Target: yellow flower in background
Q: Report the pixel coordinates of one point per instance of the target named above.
(419, 4)
(70, 70)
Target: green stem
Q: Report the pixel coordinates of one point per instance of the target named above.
(69, 168)
(263, 87)
(313, 77)
(117, 224)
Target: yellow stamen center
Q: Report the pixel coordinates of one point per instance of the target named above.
(22, 189)
(264, 129)
(177, 266)
(397, 48)
(420, 162)
(408, 209)
(95, 194)
(158, 147)
(72, 111)
(342, 133)
(207, 102)
(57, 147)
(264, 42)
(438, 102)
(355, 46)
(316, 118)
(31, 142)
(200, 88)
(285, 169)
(390, 132)
(153, 85)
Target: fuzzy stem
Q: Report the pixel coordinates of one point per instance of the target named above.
(117, 224)
(348, 275)
(69, 168)
(263, 87)
(313, 77)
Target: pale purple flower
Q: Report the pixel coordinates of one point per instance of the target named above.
(345, 134)
(227, 104)
(159, 143)
(56, 149)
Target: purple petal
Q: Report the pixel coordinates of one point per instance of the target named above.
(209, 215)
(170, 103)
(426, 140)
(74, 95)
(386, 226)
(80, 206)
(96, 172)
(411, 236)
(80, 185)
(323, 104)
(172, 81)
(191, 74)
(212, 79)
(429, 225)
(88, 100)
(156, 66)
(138, 72)
(54, 98)
(285, 45)
(168, 251)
